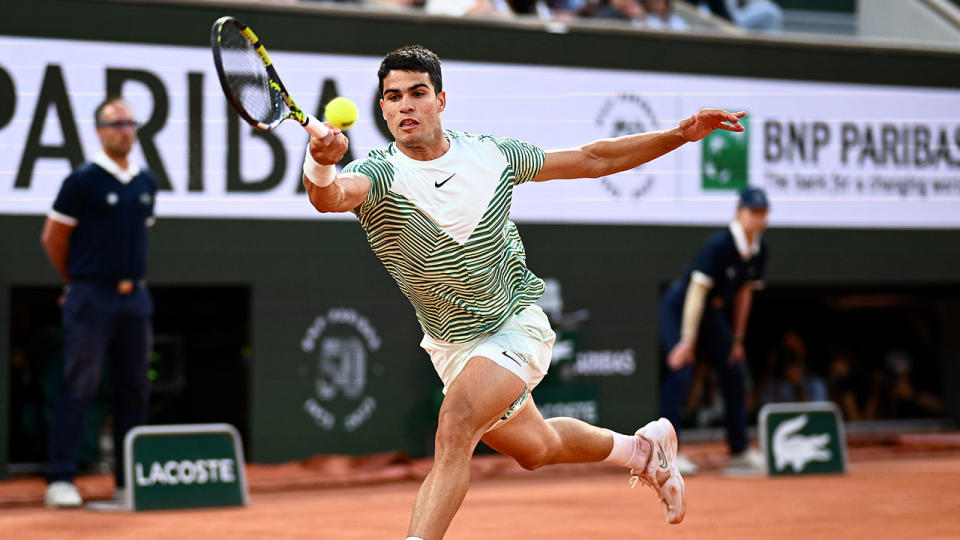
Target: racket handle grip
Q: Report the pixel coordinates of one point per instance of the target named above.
(315, 127)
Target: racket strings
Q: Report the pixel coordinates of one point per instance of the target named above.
(247, 77)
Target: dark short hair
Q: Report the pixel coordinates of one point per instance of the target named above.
(412, 58)
(103, 105)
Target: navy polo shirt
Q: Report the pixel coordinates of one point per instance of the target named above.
(111, 218)
(721, 265)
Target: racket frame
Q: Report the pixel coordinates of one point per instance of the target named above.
(308, 121)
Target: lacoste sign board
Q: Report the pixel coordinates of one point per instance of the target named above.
(803, 438)
(184, 466)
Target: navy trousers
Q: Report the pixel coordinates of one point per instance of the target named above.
(101, 325)
(714, 341)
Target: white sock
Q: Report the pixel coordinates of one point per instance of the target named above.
(414, 538)
(629, 451)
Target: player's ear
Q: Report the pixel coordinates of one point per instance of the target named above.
(382, 112)
(442, 101)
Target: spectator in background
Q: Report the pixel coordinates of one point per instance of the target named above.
(458, 8)
(563, 10)
(626, 10)
(895, 393)
(394, 4)
(793, 382)
(703, 316)
(704, 404)
(842, 387)
(759, 15)
(96, 237)
(660, 15)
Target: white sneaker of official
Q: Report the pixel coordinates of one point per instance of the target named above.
(750, 462)
(685, 466)
(62, 495)
(119, 502)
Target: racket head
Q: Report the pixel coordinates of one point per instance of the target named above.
(248, 79)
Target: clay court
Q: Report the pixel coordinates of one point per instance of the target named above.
(887, 494)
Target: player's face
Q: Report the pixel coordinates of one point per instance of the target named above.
(412, 108)
(117, 129)
(754, 221)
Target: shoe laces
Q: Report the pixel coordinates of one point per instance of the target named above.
(640, 476)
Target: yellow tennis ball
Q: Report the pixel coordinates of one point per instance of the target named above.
(341, 112)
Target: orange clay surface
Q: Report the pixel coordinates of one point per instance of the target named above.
(881, 497)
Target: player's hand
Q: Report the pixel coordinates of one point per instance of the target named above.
(680, 355)
(737, 353)
(706, 121)
(329, 150)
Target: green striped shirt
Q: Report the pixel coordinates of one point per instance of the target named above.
(442, 230)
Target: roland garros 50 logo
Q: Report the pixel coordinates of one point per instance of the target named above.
(341, 341)
(626, 114)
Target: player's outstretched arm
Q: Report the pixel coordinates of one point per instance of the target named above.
(328, 191)
(610, 156)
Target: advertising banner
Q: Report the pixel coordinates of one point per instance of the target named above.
(829, 154)
(185, 466)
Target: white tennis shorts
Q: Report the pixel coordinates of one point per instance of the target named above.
(522, 346)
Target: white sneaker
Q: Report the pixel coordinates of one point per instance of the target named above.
(119, 502)
(62, 495)
(661, 472)
(750, 462)
(685, 466)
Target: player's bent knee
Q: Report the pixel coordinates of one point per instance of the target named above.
(453, 433)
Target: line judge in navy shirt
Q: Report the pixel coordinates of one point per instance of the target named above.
(96, 237)
(703, 315)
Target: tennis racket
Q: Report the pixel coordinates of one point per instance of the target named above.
(250, 82)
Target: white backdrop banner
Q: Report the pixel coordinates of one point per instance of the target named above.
(830, 155)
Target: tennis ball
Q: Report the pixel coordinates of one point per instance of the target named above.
(341, 112)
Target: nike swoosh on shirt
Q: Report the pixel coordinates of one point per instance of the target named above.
(438, 184)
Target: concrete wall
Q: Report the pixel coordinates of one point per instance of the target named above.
(909, 20)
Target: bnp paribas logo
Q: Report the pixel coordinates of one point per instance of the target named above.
(725, 159)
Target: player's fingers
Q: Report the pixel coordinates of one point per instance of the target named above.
(732, 118)
(342, 144)
(731, 127)
(334, 130)
(331, 136)
(329, 149)
(326, 139)
(321, 144)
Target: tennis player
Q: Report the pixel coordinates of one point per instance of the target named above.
(435, 207)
